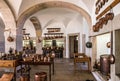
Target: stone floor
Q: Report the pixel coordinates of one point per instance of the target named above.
(64, 71)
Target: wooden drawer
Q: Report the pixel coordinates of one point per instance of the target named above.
(6, 63)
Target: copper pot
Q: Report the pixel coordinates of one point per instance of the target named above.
(104, 64)
(103, 2)
(97, 2)
(109, 16)
(100, 4)
(97, 26)
(100, 24)
(106, 0)
(105, 20)
(42, 76)
(97, 9)
(24, 78)
(94, 28)
(10, 39)
(112, 58)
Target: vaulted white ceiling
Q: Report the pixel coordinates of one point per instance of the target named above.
(58, 12)
(19, 6)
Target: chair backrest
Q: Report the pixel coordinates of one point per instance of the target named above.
(79, 55)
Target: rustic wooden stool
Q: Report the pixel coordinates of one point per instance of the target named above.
(41, 76)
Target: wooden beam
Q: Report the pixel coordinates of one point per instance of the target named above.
(114, 3)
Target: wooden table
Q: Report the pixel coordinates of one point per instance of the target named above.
(9, 64)
(41, 63)
(81, 59)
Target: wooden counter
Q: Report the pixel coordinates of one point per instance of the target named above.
(9, 64)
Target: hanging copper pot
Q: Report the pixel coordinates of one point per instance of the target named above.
(112, 58)
(94, 28)
(97, 2)
(97, 9)
(105, 20)
(101, 22)
(109, 16)
(10, 39)
(103, 2)
(97, 26)
(96, 12)
(108, 44)
(100, 5)
(106, 0)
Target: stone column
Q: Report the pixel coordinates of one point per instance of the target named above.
(38, 47)
(19, 40)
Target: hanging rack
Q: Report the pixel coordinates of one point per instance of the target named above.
(114, 3)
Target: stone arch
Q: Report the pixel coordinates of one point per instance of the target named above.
(37, 25)
(9, 23)
(30, 11)
(22, 18)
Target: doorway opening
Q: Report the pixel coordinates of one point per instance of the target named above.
(73, 45)
(117, 52)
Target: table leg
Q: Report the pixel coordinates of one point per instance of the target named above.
(49, 72)
(74, 65)
(89, 66)
(15, 74)
(53, 68)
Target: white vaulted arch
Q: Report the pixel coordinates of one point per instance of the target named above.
(9, 22)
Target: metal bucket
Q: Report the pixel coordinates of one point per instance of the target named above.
(24, 78)
(42, 76)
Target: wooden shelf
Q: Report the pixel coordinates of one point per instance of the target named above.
(114, 3)
(53, 33)
(53, 29)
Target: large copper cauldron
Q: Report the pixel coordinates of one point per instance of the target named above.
(105, 64)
